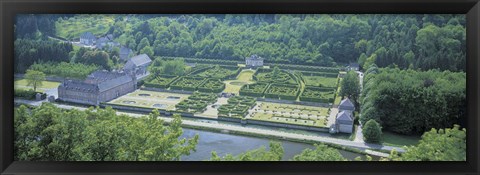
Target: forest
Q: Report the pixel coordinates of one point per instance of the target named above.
(408, 41)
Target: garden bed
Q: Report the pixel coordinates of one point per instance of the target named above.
(318, 94)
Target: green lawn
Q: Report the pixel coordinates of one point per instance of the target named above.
(319, 80)
(393, 139)
(244, 77)
(22, 84)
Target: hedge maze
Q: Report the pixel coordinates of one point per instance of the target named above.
(318, 94)
(218, 72)
(254, 90)
(162, 81)
(282, 91)
(187, 83)
(268, 76)
(211, 86)
(196, 103)
(237, 107)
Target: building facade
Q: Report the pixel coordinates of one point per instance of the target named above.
(344, 121)
(254, 61)
(138, 65)
(88, 39)
(98, 87)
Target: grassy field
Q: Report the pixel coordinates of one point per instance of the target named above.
(319, 80)
(72, 28)
(22, 84)
(150, 99)
(393, 139)
(298, 109)
(244, 77)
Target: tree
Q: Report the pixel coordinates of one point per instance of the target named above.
(437, 145)
(350, 86)
(372, 132)
(320, 153)
(34, 78)
(261, 154)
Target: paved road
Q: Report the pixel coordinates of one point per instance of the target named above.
(266, 132)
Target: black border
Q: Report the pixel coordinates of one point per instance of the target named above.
(8, 9)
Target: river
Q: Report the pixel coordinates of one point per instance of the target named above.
(224, 144)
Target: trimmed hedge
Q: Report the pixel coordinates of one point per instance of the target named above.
(197, 102)
(305, 68)
(282, 91)
(266, 76)
(205, 61)
(318, 94)
(28, 94)
(161, 81)
(212, 86)
(254, 90)
(187, 83)
(322, 74)
(223, 72)
(237, 107)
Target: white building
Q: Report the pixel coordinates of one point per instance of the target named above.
(254, 61)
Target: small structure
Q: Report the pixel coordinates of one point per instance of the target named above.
(125, 52)
(345, 118)
(344, 122)
(51, 98)
(353, 66)
(102, 42)
(254, 61)
(88, 39)
(137, 65)
(38, 97)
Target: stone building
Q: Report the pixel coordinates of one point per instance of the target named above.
(137, 65)
(345, 120)
(125, 52)
(88, 39)
(100, 86)
(254, 61)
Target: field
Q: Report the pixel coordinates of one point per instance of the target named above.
(151, 99)
(244, 77)
(72, 28)
(393, 139)
(22, 84)
(291, 114)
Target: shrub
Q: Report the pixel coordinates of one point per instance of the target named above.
(372, 132)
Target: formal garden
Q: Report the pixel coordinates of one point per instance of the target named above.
(282, 91)
(150, 99)
(237, 107)
(217, 72)
(318, 94)
(255, 90)
(196, 103)
(320, 79)
(274, 75)
(211, 86)
(291, 114)
(187, 83)
(161, 81)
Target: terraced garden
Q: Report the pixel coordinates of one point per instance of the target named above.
(291, 109)
(196, 103)
(318, 94)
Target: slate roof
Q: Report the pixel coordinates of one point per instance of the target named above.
(88, 35)
(346, 103)
(254, 57)
(344, 116)
(125, 50)
(109, 84)
(104, 75)
(139, 60)
(79, 86)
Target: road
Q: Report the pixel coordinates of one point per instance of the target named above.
(257, 131)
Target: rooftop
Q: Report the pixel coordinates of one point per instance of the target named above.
(140, 60)
(87, 35)
(346, 103)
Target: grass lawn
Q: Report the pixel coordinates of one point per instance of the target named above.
(317, 80)
(393, 139)
(244, 77)
(22, 84)
(151, 99)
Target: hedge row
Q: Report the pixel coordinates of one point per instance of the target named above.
(205, 61)
(237, 107)
(212, 86)
(161, 81)
(322, 74)
(222, 72)
(187, 83)
(28, 94)
(318, 94)
(195, 103)
(266, 76)
(305, 68)
(282, 91)
(254, 90)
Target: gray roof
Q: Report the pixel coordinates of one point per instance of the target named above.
(109, 84)
(102, 40)
(125, 50)
(344, 116)
(140, 60)
(255, 57)
(104, 75)
(88, 35)
(346, 103)
(79, 86)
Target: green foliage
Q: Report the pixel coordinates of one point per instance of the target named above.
(413, 102)
(169, 67)
(28, 94)
(318, 94)
(350, 87)
(212, 86)
(437, 145)
(64, 69)
(195, 103)
(48, 133)
(254, 90)
(320, 153)
(275, 153)
(34, 78)
(160, 81)
(96, 57)
(187, 83)
(274, 76)
(237, 107)
(282, 91)
(372, 132)
(28, 52)
(218, 72)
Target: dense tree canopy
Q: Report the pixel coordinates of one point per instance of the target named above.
(28, 52)
(350, 87)
(413, 102)
(448, 144)
(261, 154)
(50, 133)
(320, 153)
(372, 132)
